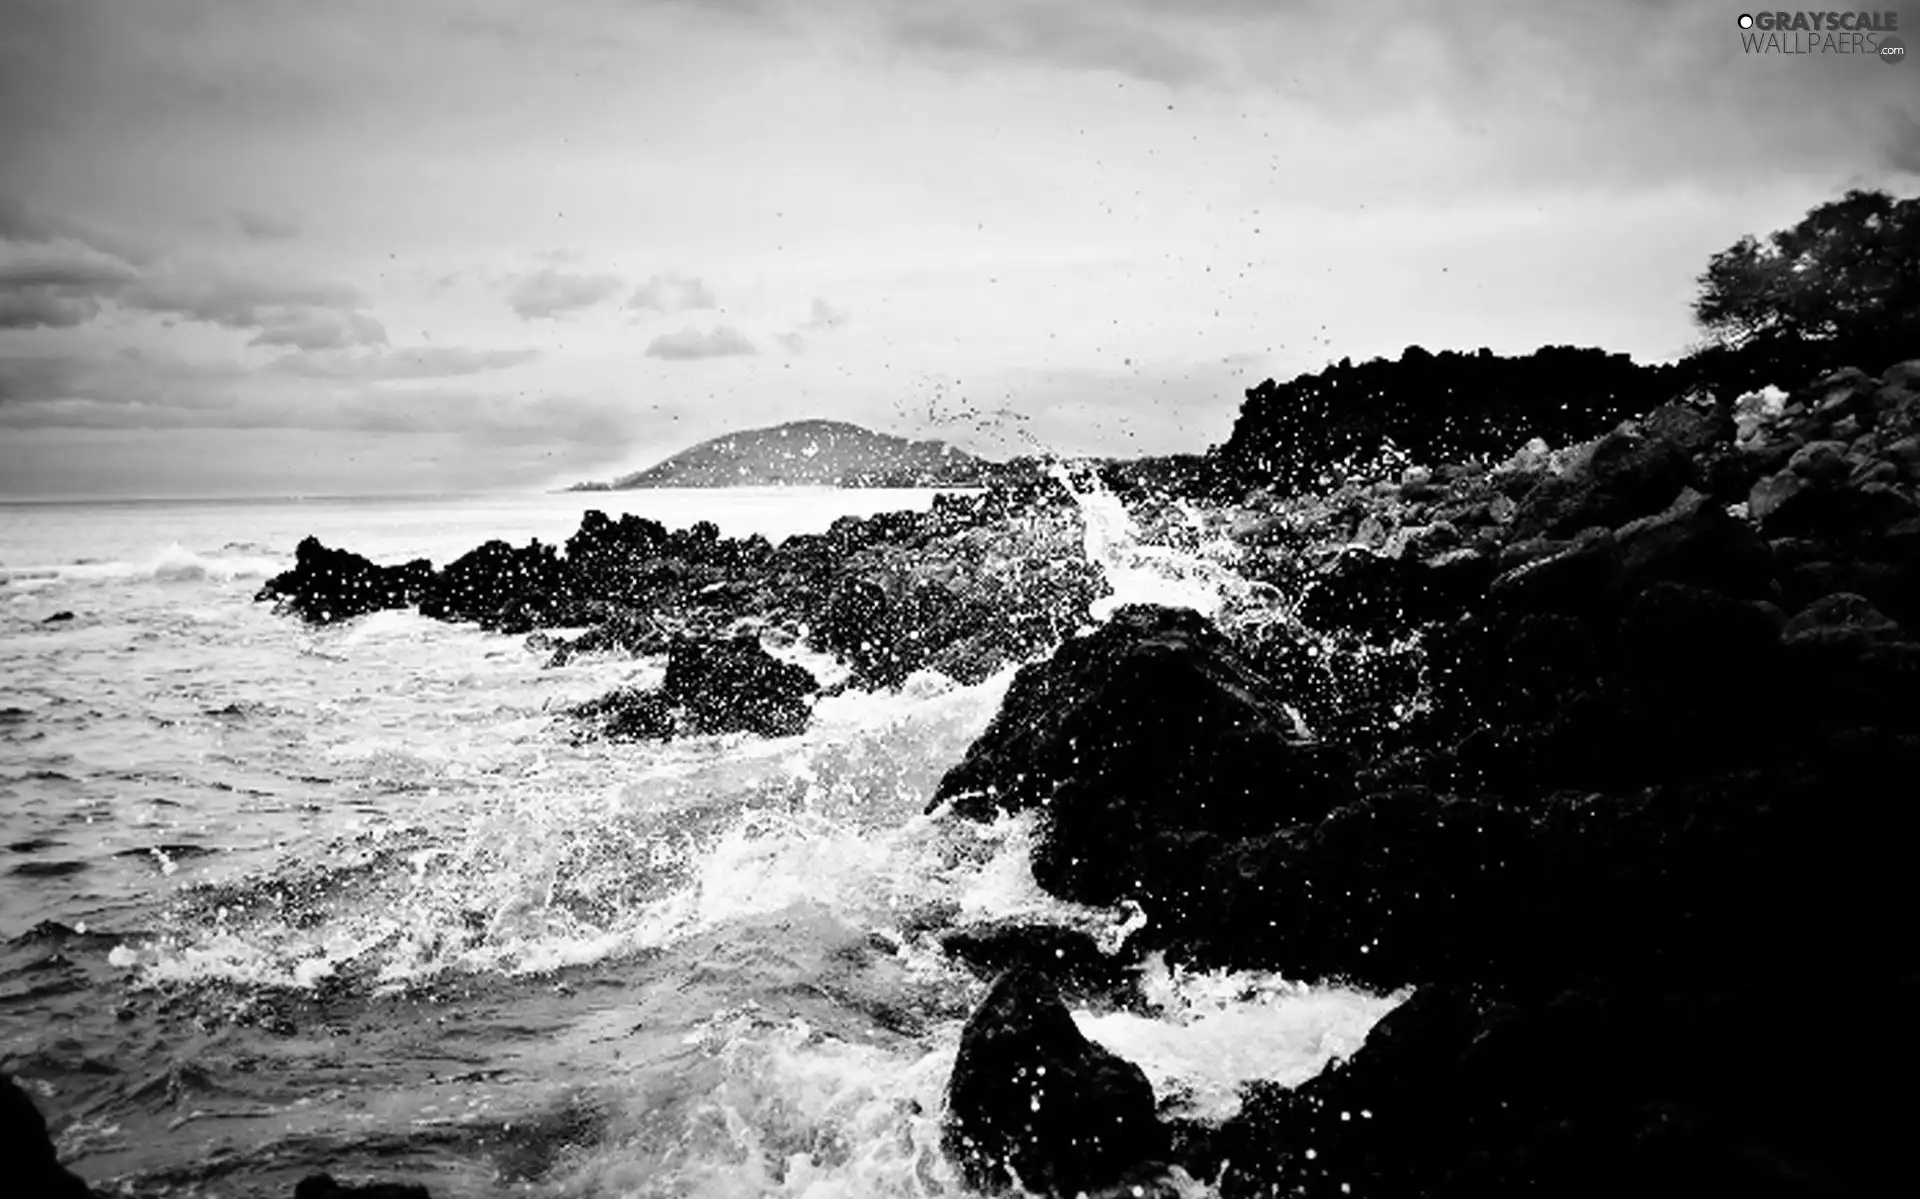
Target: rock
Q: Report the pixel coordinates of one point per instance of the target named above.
(1574, 579)
(327, 585)
(1786, 504)
(1850, 665)
(1694, 541)
(32, 1165)
(1032, 1100)
(1625, 476)
(1820, 462)
(58, 618)
(1388, 597)
(736, 686)
(1694, 430)
(711, 688)
(627, 630)
(1146, 729)
(323, 1186)
(508, 589)
(1596, 1091)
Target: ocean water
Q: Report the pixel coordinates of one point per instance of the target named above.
(275, 899)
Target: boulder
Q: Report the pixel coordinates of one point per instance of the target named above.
(328, 585)
(1623, 477)
(737, 686)
(1147, 729)
(1033, 1103)
(712, 687)
(32, 1165)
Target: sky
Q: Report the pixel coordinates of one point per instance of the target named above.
(380, 246)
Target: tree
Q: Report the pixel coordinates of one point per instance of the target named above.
(1848, 274)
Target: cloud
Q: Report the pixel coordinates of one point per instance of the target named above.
(141, 390)
(320, 329)
(297, 313)
(673, 293)
(794, 343)
(262, 226)
(1053, 32)
(825, 316)
(413, 362)
(56, 283)
(689, 344)
(548, 293)
(130, 387)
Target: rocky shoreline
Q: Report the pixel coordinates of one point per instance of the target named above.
(1599, 751)
(1641, 778)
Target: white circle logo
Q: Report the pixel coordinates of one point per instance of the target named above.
(1746, 21)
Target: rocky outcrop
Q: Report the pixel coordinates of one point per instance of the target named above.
(1446, 407)
(32, 1165)
(330, 585)
(1641, 756)
(712, 687)
(1133, 738)
(1033, 1103)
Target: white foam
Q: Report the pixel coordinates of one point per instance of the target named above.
(172, 563)
(1140, 573)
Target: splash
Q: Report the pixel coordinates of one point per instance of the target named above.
(1201, 578)
(172, 563)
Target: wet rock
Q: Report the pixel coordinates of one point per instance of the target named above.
(329, 585)
(1596, 1091)
(736, 686)
(1852, 665)
(323, 1186)
(506, 588)
(712, 687)
(619, 629)
(1388, 597)
(1820, 462)
(1623, 477)
(31, 1163)
(1150, 728)
(1033, 1103)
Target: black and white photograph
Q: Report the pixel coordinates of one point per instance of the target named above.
(958, 599)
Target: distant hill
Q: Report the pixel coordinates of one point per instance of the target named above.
(810, 453)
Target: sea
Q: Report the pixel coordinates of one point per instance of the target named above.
(277, 900)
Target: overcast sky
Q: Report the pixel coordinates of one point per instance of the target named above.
(419, 245)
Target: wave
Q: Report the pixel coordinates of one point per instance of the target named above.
(173, 563)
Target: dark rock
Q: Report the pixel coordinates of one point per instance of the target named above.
(1695, 430)
(1624, 477)
(1389, 597)
(1820, 462)
(58, 618)
(323, 1186)
(328, 585)
(1032, 1100)
(1851, 665)
(1694, 541)
(32, 1165)
(1148, 728)
(626, 630)
(711, 688)
(1597, 1091)
(508, 589)
(736, 686)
